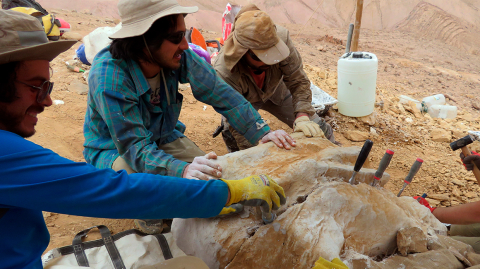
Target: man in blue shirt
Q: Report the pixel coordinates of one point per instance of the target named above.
(34, 179)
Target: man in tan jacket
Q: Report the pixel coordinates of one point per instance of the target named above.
(260, 61)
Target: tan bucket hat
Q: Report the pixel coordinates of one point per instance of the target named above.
(138, 16)
(22, 38)
(254, 30)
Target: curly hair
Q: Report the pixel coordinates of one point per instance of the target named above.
(131, 48)
(8, 75)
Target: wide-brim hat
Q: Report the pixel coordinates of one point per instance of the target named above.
(23, 38)
(138, 16)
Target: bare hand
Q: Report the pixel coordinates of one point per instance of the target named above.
(280, 138)
(202, 168)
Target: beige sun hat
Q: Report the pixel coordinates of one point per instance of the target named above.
(22, 38)
(254, 29)
(139, 15)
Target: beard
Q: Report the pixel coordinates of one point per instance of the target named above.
(168, 63)
(12, 123)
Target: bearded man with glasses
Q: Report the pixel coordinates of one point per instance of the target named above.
(260, 61)
(134, 103)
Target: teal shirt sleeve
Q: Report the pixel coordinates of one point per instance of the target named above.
(36, 178)
(209, 88)
(115, 97)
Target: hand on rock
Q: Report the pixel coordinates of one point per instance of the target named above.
(308, 127)
(336, 263)
(280, 138)
(424, 202)
(203, 168)
(258, 190)
(469, 161)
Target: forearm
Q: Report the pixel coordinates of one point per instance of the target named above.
(209, 88)
(462, 214)
(45, 181)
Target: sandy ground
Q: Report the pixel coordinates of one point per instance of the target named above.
(410, 63)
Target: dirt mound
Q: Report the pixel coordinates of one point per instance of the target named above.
(427, 20)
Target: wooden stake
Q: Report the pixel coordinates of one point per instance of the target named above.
(358, 23)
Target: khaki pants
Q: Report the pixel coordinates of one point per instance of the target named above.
(468, 234)
(182, 149)
(284, 113)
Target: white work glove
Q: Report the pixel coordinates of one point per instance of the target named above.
(202, 168)
(308, 127)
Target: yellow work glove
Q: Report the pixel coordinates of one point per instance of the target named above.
(334, 264)
(308, 127)
(258, 190)
(231, 210)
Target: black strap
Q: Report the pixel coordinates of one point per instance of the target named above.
(3, 211)
(108, 241)
(167, 254)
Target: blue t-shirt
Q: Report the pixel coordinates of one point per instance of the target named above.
(34, 179)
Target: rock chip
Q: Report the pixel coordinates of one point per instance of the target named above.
(439, 197)
(457, 182)
(72, 36)
(321, 48)
(370, 119)
(441, 135)
(78, 87)
(471, 194)
(411, 240)
(356, 136)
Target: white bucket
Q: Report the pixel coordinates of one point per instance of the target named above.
(357, 81)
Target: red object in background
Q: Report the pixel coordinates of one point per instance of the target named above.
(228, 18)
(424, 202)
(65, 26)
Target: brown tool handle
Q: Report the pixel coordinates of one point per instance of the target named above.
(358, 24)
(466, 152)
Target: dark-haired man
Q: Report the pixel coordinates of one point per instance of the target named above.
(34, 179)
(134, 104)
(260, 61)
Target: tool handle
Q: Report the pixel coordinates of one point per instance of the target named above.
(358, 24)
(475, 170)
(362, 156)
(415, 167)
(387, 157)
(349, 38)
(423, 196)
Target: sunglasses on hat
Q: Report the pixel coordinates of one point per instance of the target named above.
(43, 90)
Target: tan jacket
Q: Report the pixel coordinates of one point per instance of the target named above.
(288, 75)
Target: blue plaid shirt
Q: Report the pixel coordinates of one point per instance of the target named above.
(121, 121)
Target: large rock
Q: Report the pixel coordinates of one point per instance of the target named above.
(324, 216)
(411, 240)
(441, 135)
(357, 136)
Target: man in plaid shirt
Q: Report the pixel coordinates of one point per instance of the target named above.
(134, 104)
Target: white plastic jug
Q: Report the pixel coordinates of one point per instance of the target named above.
(437, 99)
(357, 82)
(442, 111)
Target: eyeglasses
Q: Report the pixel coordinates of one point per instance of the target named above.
(254, 57)
(43, 91)
(176, 38)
